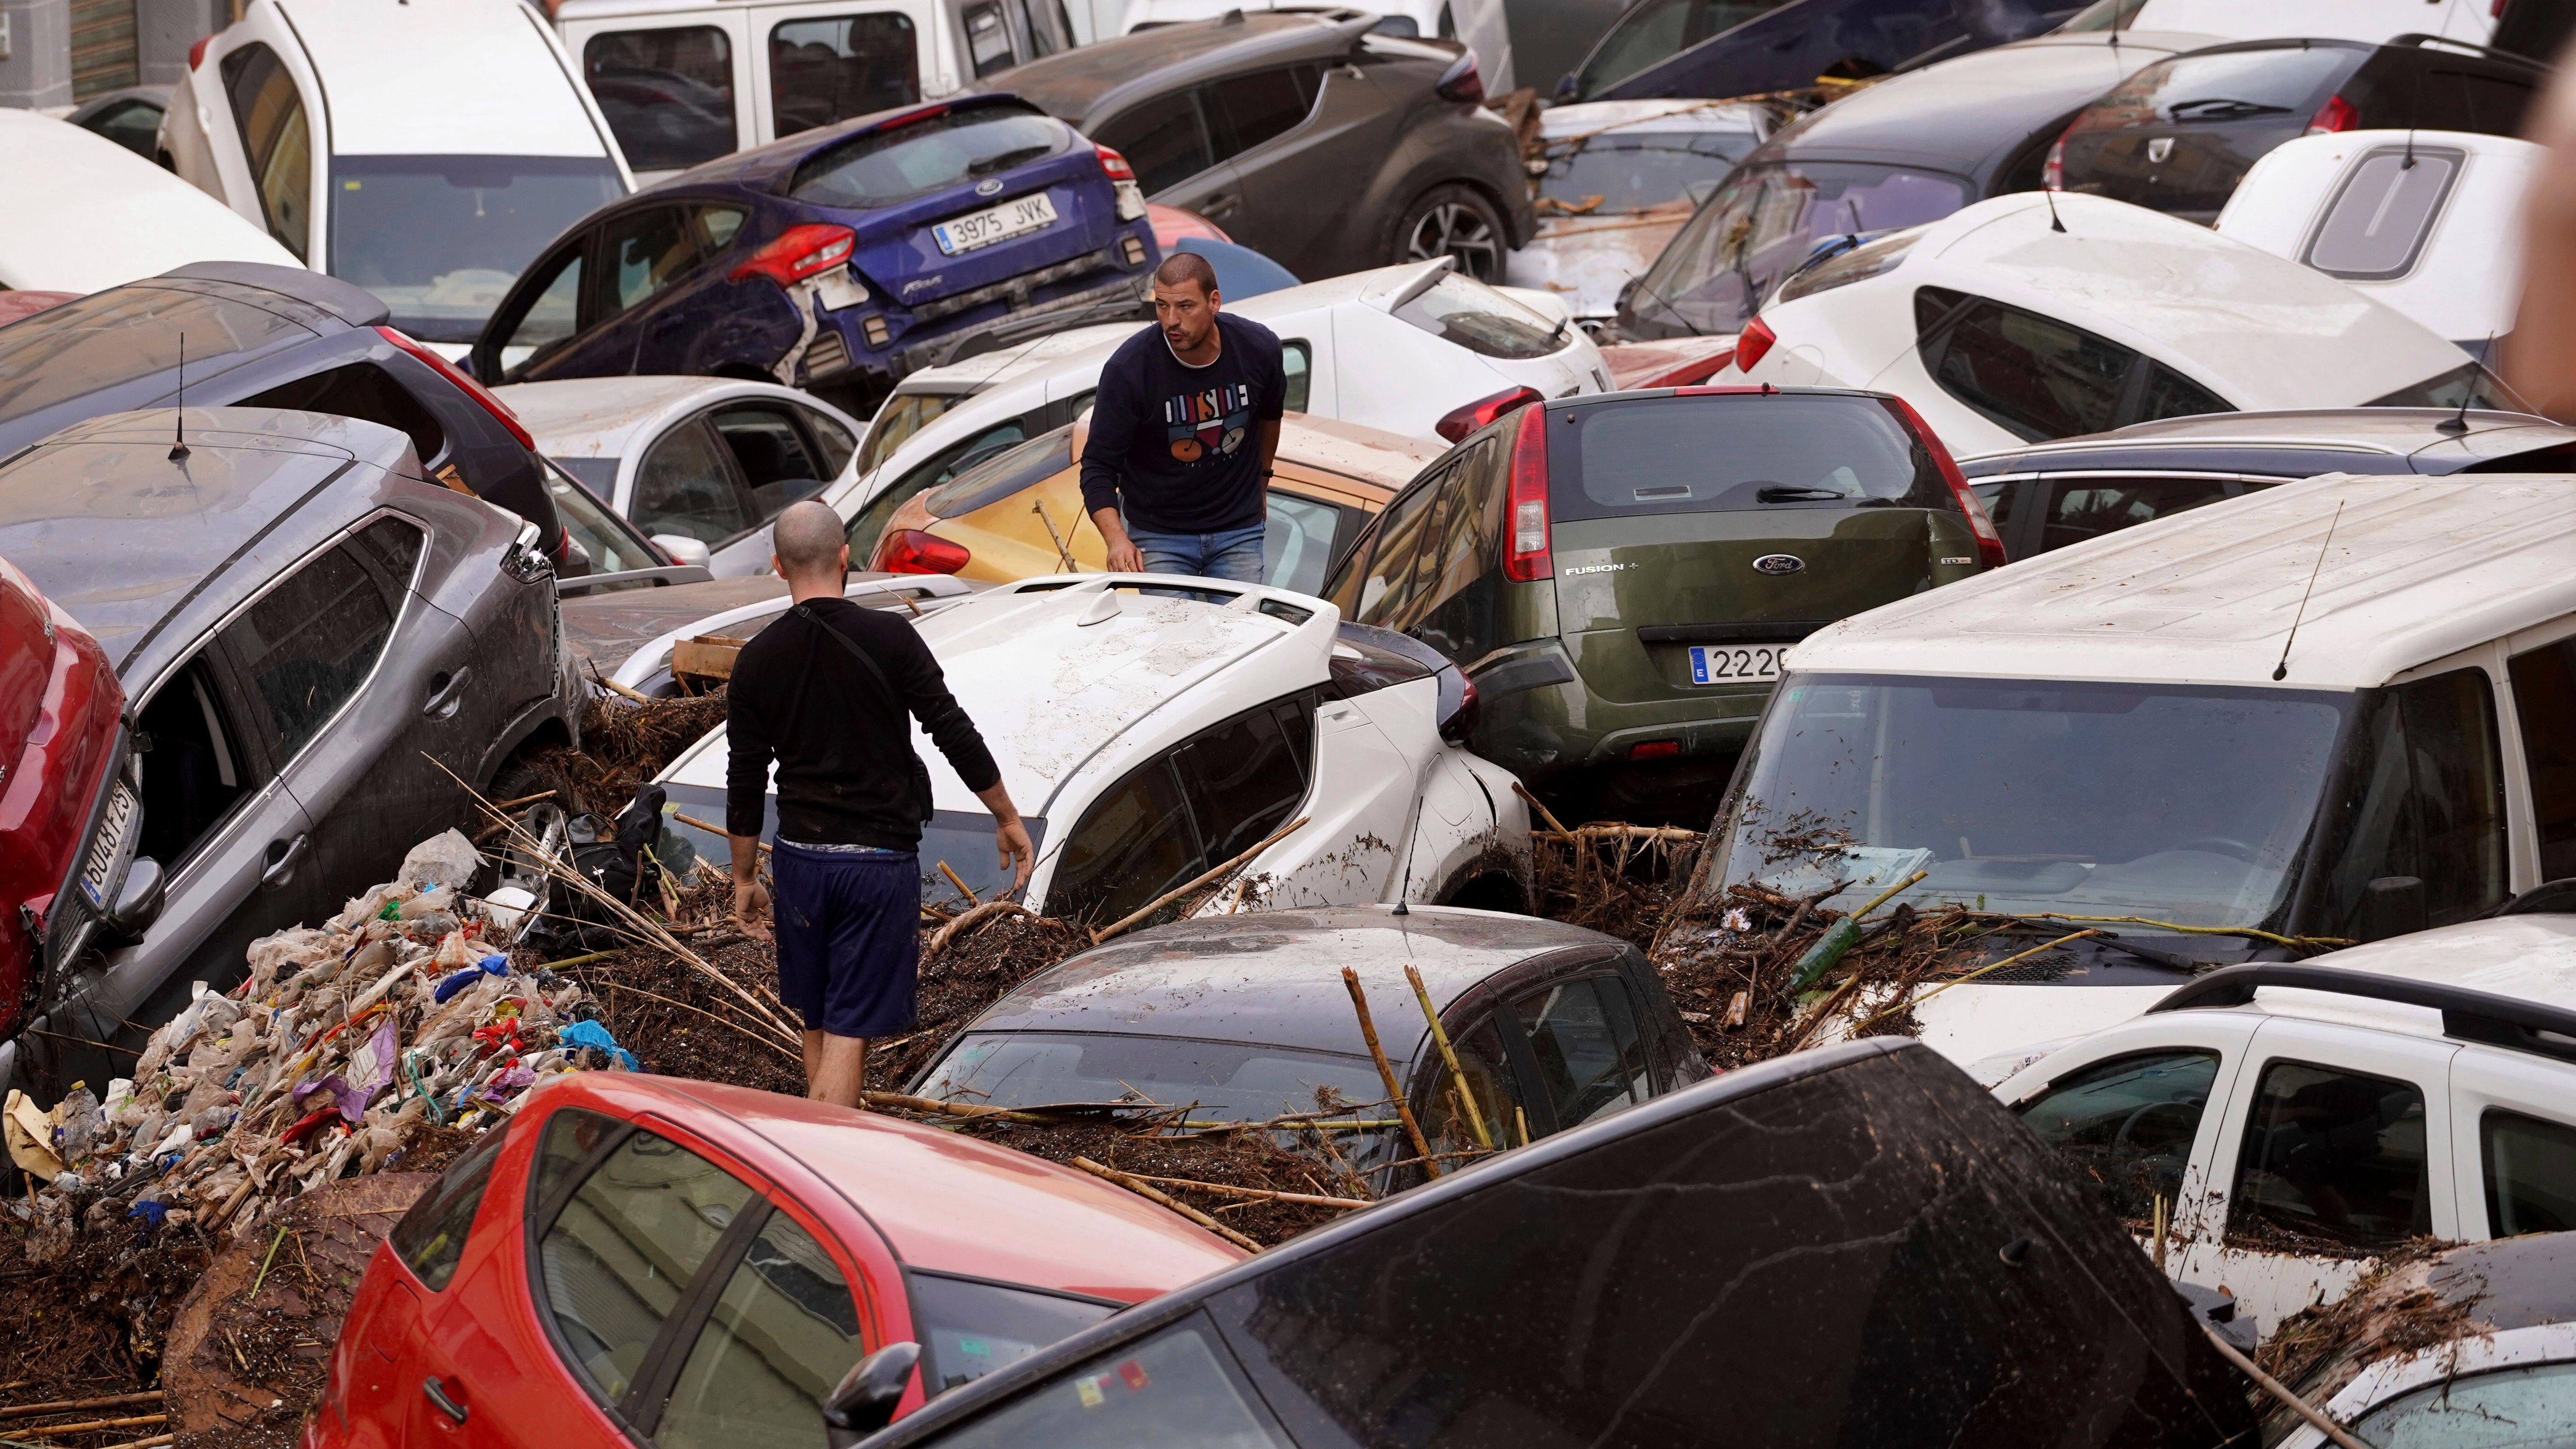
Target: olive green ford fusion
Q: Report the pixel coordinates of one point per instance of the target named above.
(1619, 574)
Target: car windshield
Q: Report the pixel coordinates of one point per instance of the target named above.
(903, 415)
(881, 168)
(1630, 169)
(1716, 454)
(1763, 223)
(2187, 805)
(1476, 317)
(441, 238)
(975, 1326)
(1218, 1081)
(611, 549)
(124, 334)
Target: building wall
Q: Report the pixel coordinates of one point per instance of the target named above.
(37, 68)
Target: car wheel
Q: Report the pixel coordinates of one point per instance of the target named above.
(544, 829)
(1454, 221)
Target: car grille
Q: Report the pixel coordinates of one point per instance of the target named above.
(1016, 290)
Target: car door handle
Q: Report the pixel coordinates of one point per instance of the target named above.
(438, 1395)
(283, 856)
(444, 690)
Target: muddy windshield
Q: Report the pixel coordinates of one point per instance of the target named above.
(2187, 805)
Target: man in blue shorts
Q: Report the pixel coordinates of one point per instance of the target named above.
(825, 691)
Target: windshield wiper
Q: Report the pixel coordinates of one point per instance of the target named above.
(1787, 493)
(2224, 109)
(1006, 160)
(2170, 961)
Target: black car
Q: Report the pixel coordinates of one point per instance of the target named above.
(275, 337)
(2178, 135)
(313, 633)
(1906, 151)
(1852, 1245)
(1718, 48)
(2050, 495)
(1308, 138)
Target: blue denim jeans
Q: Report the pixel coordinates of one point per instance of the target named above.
(1234, 555)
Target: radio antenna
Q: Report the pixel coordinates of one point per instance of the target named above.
(179, 411)
(2458, 423)
(2282, 670)
(2053, 223)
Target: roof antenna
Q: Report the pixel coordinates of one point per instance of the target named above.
(1405, 889)
(179, 409)
(2053, 223)
(2409, 163)
(2458, 422)
(1852, 205)
(2281, 670)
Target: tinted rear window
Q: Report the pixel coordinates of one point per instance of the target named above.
(1718, 454)
(2227, 85)
(882, 168)
(121, 335)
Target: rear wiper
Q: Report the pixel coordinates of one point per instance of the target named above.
(1787, 493)
(2223, 108)
(1006, 160)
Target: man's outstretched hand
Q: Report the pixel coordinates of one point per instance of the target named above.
(1018, 855)
(750, 897)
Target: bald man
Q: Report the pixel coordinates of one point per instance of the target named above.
(824, 691)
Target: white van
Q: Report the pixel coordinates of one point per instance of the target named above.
(687, 81)
(2125, 736)
(424, 152)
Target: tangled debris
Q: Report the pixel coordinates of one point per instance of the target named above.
(2399, 1308)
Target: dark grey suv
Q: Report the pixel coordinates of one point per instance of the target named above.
(308, 627)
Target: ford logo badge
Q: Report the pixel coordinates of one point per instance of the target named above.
(1778, 563)
(989, 186)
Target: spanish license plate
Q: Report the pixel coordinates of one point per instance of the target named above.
(1735, 663)
(110, 845)
(1016, 217)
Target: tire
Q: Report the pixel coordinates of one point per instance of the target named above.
(547, 821)
(1458, 221)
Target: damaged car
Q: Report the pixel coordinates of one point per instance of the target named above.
(1243, 736)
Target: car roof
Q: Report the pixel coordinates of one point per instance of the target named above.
(2296, 442)
(1275, 977)
(2417, 570)
(501, 85)
(250, 494)
(1093, 79)
(600, 417)
(1589, 117)
(2529, 957)
(80, 213)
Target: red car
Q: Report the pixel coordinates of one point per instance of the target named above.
(639, 1259)
(66, 822)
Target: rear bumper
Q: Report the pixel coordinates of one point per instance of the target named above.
(1540, 720)
(938, 332)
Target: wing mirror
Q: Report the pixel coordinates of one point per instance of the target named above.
(865, 1400)
(2392, 905)
(138, 900)
(682, 549)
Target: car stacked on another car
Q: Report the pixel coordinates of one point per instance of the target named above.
(80, 214)
(841, 258)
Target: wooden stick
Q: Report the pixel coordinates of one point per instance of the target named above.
(65, 1406)
(1169, 896)
(154, 1442)
(525, 800)
(952, 1109)
(581, 960)
(1386, 1073)
(1466, 1098)
(1636, 832)
(969, 920)
(1258, 1194)
(2281, 1391)
(972, 899)
(712, 829)
(1543, 812)
(1151, 1193)
(606, 683)
(137, 1422)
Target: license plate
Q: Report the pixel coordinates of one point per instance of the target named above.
(839, 290)
(1735, 663)
(1016, 217)
(104, 852)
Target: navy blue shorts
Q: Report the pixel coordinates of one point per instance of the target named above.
(849, 948)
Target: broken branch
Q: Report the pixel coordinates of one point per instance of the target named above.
(1543, 812)
(67, 1406)
(1457, 1074)
(1386, 1073)
(1169, 896)
(969, 920)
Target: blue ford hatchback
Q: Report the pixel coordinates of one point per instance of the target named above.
(842, 258)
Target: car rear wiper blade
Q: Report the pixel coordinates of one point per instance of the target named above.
(2228, 108)
(1784, 493)
(1006, 160)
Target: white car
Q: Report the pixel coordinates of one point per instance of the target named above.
(2371, 20)
(80, 213)
(1150, 740)
(1413, 349)
(2426, 222)
(2299, 1120)
(424, 152)
(700, 464)
(1479, 23)
(2044, 315)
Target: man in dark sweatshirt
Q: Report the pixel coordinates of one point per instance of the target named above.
(1176, 473)
(824, 691)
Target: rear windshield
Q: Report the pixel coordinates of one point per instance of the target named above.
(1764, 223)
(882, 168)
(1718, 454)
(2229, 85)
(1476, 317)
(1217, 1081)
(1003, 474)
(125, 334)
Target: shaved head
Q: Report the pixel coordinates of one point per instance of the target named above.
(1179, 267)
(809, 540)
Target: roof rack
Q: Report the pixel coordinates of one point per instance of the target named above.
(2478, 1016)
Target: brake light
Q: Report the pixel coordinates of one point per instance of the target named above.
(1990, 544)
(1655, 750)
(797, 253)
(2337, 114)
(1526, 559)
(1114, 165)
(1462, 82)
(197, 52)
(910, 551)
(482, 395)
(1753, 343)
(1462, 421)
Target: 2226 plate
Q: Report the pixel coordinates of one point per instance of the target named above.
(1016, 217)
(1735, 663)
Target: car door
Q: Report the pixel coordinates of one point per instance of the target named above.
(2513, 1142)
(685, 487)
(542, 319)
(1297, 135)
(1166, 138)
(646, 316)
(278, 144)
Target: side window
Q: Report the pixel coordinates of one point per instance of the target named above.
(1246, 774)
(1646, 34)
(988, 39)
(644, 252)
(2544, 700)
(2333, 1155)
(2038, 378)
(2431, 800)
(1163, 139)
(365, 391)
(2090, 507)
(1246, 110)
(667, 94)
(975, 1327)
(552, 317)
(1387, 583)
(196, 770)
(2125, 1126)
(431, 1237)
(1135, 843)
(2169, 394)
(1173, 1388)
(1584, 1038)
(832, 68)
(1297, 368)
(775, 459)
(2530, 1172)
(940, 467)
(683, 488)
(1481, 1060)
(277, 140)
(1297, 539)
(607, 546)
(1470, 522)
(834, 440)
(308, 644)
(779, 1338)
(2478, 1408)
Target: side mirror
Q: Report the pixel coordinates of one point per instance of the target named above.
(2392, 905)
(138, 901)
(682, 549)
(865, 1400)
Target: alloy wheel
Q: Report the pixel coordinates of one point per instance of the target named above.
(1456, 229)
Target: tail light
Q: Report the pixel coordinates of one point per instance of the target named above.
(499, 410)
(1753, 343)
(1655, 750)
(1526, 559)
(910, 551)
(197, 52)
(2337, 114)
(1115, 165)
(1459, 423)
(798, 253)
(1462, 82)
(1990, 544)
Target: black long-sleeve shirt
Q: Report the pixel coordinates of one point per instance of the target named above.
(1178, 448)
(843, 749)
